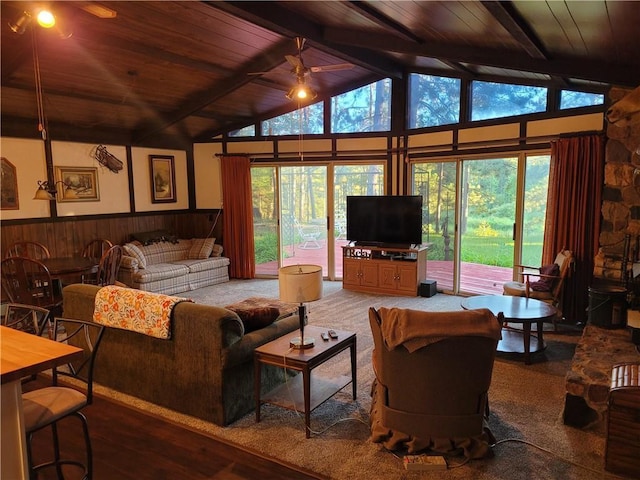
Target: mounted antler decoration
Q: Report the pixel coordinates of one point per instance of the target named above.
(105, 158)
(624, 121)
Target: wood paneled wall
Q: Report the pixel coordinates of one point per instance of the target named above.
(67, 237)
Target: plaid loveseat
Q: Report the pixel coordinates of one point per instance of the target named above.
(173, 267)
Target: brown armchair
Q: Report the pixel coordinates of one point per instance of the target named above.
(433, 372)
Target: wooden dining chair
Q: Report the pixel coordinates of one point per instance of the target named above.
(96, 248)
(109, 266)
(28, 249)
(29, 282)
(45, 407)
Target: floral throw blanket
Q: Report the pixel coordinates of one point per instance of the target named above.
(131, 309)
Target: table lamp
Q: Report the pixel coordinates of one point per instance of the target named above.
(300, 283)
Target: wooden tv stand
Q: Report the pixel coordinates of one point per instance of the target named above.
(384, 269)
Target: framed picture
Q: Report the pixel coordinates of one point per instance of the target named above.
(80, 184)
(9, 189)
(163, 178)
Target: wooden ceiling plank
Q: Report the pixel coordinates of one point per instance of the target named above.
(287, 23)
(266, 61)
(516, 26)
(383, 20)
(567, 67)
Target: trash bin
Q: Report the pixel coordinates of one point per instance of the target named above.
(607, 307)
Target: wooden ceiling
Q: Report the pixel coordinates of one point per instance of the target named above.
(185, 70)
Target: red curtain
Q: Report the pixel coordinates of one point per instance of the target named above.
(573, 214)
(238, 216)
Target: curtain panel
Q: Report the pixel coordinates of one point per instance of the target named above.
(576, 179)
(237, 219)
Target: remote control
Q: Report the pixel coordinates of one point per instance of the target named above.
(324, 336)
(333, 334)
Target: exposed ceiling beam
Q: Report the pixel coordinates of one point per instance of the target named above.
(285, 22)
(386, 22)
(369, 12)
(264, 62)
(516, 26)
(566, 67)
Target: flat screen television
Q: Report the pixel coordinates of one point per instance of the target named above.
(384, 220)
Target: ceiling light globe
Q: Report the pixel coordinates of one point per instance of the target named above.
(46, 19)
(302, 93)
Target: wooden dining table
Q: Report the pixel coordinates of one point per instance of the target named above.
(61, 266)
(70, 269)
(22, 354)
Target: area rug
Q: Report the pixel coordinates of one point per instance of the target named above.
(526, 403)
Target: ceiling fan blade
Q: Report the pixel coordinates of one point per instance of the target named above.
(331, 68)
(294, 61)
(99, 11)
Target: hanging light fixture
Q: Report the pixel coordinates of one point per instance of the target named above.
(301, 91)
(46, 18)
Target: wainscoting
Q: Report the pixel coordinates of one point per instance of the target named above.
(67, 236)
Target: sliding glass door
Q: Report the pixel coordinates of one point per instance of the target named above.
(487, 219)
(295, 220)
(481, 217)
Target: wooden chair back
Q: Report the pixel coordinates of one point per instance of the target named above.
(96, 248)
(109, 266)
(564, 260)
(28, 249)
(29, 282)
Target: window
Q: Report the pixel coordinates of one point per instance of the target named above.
(248, 131)
(433, 100)
(572, 99)
(496, 100)
(307, 120)
(365, 109)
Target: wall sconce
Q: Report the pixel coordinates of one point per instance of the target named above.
(21, 23)
(47, 191)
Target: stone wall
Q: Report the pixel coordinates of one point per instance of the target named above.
(620, 197)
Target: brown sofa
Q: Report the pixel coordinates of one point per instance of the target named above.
(205, 369)
(433, 372)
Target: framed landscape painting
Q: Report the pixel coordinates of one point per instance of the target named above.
(80, 184)
(163, 178)
(9, 187)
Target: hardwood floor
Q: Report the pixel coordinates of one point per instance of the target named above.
(131, 444)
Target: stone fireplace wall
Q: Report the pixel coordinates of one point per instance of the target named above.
(620, 200)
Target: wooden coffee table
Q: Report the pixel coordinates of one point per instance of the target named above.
(300, 393)
(516, 310)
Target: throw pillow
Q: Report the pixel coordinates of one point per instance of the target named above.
(256, 318)
(545, 283)
(132, 250)
(201, 248)
(156, 236)
(217, 250)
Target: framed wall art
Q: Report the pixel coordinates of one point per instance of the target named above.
(9, 187)
(80, 184)
(163, 178)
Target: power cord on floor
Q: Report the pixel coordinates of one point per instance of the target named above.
(571, 462)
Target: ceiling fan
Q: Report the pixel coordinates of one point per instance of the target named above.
(301, 70)
(301, 90)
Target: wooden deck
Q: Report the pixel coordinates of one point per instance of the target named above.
(476, 278)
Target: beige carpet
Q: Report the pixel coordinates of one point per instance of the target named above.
(526, 404)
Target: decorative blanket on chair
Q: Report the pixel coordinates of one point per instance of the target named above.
(416, 328)
(137, 310)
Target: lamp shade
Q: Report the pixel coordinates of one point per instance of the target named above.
(300, 283)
